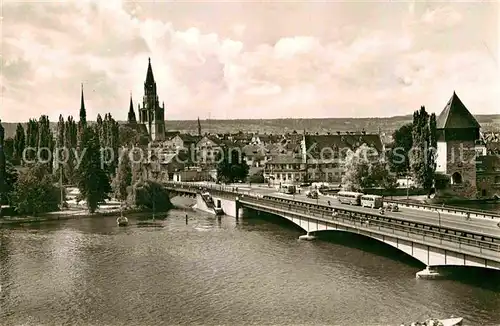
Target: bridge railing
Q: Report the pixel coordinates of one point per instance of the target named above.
(229, 192)
(449, 209)
(369, 221)
(397, 219)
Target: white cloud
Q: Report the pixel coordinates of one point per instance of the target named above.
(442, 16)
(217, 65)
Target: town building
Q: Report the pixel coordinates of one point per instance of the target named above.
(319, 158)
(488, 176)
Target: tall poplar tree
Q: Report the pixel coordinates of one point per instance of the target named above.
(422, 159)
(100, 130)
(32, 139)
(2, 167)
(45, 141)
(93, 181)
(113, 136)
(123, 178)
(70, 142)
(60, 146)
(19, 144)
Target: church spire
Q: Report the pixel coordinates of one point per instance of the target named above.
(150, 79)
(199, 127)
(131, 112)
(83, 112)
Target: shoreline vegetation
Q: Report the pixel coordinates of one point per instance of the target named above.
(139, 214)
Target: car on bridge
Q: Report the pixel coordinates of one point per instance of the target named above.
(312, 194)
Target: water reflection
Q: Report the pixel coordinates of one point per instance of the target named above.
(218, 271)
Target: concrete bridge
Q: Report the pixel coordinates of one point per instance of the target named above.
(451, 241)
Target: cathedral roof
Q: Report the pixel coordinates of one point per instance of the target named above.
(456, 116)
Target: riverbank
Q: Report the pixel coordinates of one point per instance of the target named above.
(58, 216)
(181, 203)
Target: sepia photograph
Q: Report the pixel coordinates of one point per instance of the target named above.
(280, 162)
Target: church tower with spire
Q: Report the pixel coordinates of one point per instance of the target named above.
(151, 114)
(131, 120)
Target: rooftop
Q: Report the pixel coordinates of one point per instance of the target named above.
(456, 116)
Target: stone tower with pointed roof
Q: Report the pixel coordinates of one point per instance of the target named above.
(151, 114)
(457, 133)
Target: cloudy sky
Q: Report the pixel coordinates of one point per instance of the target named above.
(249, 59)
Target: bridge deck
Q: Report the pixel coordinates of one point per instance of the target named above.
(382, 226)
(474, 242)
(473, 226)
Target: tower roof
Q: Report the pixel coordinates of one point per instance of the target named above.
(83, 112)
(456, 116)
(131, 113)
(149, 76)
(82, 101)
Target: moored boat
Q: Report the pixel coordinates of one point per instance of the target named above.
(452, 321)
(122, 221)
(438, 322)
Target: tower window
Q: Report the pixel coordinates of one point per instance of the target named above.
(456, 178)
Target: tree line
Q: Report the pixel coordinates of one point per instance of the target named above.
(410, 154)
(416, 144)
(32, 184)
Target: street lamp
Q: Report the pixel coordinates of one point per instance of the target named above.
(407, 188)
(439, 218)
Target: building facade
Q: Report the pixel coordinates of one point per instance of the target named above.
(488, 176)
(319, 158)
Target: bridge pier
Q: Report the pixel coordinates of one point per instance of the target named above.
(307, 236)
(429, 273)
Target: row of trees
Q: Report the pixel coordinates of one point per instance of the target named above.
(232, 167)
(366, 172)
(416, 142)
(413, 153)
(33, 188)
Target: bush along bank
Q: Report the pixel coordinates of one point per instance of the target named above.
(63, 215)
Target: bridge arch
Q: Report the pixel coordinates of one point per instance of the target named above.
(426, 254)
(402, 246)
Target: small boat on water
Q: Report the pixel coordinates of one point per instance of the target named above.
(452, 321)
(438, 322)
(149, 223)
(122, 221)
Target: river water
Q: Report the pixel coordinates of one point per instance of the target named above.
(210, 271)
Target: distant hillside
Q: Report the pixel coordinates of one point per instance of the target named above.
(276, 126)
